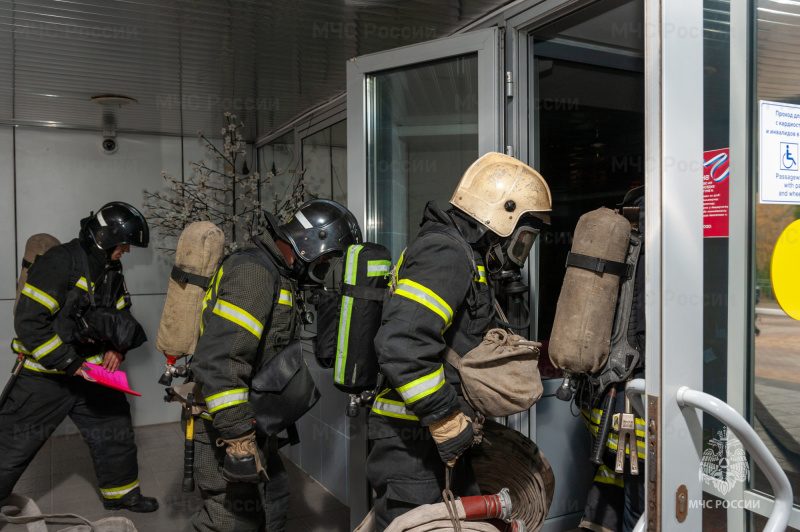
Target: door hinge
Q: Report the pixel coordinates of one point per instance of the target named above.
(509, 84)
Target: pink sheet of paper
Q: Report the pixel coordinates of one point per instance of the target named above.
(117, 380)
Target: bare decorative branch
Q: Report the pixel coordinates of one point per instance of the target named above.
(226, 198)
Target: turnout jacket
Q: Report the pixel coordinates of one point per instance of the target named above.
(442, 300)
(56, 288)
(247, 319)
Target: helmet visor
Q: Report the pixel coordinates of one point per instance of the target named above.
(322, 267)
(520, 244)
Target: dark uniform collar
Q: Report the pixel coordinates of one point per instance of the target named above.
(96, 255)
(471, 230)
(272, 247)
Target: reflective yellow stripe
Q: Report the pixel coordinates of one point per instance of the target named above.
(239, 316)
(30, 364)
(606, 475)
(226, 399)
(121, 303)
(422, 387)
(285, 298)
(481, 277)
(47, 347)
(613, 444)
(40, 297)
(17, 346)
(378, 268)
(390, 408)
(427, 298)
(209, 294)
(97, 359)
(206, 415)
(396, 270)
(118, 493)
(83, 285)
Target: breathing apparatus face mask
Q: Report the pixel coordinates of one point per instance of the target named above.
(318, 271)
(512, 252)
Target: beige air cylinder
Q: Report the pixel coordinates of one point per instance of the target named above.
(35, 246)
(581, 335)
(200, 248)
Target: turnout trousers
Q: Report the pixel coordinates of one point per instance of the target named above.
(408, 472)
(236, 506)
(38, 403)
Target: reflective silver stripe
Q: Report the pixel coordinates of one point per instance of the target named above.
(118, 493)
(351, 269)
(121, 303)
(83, 285)
(239, 316)
(102, 221)
(206, 415)
(396, 409)
(39, 296)
(481, 277)
(425, 297)
(378, 268)
(17, 346)
(30, 364)
(303, 220)
(227, 399)
(285, 298)
(97, 359)
(47, 347)
(422, 387)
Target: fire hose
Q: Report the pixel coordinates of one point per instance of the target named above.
(507, 459)
(481, 513)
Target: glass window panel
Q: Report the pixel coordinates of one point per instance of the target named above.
(278, 171)
(422, 135)
(325, 163)
(775, 408)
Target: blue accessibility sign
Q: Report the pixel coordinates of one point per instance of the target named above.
(789, 156)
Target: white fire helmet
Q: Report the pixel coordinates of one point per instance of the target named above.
(497, 189)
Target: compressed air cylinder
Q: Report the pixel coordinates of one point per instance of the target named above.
(581, 335)
(35, 246)
(200, 249)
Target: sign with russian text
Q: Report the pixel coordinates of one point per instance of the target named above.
(779, 156)
(716, 202)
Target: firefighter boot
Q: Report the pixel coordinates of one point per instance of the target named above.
(133, 502)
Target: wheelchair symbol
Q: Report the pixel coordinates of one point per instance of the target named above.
(788, 156)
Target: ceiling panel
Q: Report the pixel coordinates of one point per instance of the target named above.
(187, 61)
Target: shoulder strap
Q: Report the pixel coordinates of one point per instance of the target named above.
(76, 270)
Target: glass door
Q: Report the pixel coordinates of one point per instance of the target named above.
(417, 117)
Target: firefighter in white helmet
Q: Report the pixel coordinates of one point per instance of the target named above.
(419, 423)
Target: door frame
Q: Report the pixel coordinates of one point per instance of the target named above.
(486, 43)
(674, 239)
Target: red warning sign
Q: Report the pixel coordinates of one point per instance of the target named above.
(716, 203)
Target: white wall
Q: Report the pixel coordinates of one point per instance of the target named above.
(62, 175)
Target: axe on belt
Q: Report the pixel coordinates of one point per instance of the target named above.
(14, 374)
(193, 403)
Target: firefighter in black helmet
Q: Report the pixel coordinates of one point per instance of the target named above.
(420, 423)
(249, 317)
(66, 286)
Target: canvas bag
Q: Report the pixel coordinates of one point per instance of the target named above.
(500, 376)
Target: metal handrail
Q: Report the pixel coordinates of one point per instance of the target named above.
(782, 510)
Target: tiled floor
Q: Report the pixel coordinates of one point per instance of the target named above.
(61, 480)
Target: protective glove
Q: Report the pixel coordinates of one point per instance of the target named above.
(243, 459)
(453, 435)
